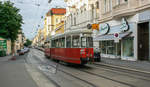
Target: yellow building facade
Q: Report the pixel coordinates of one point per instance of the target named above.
(59, 28)
(56, 21)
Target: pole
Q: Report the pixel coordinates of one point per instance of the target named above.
(116, 50)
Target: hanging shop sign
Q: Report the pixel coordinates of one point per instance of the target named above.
(95, 26)
(89, 26)
(104, 28)
(124, 27)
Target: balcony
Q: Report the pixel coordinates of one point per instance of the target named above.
(143, 4)
(124, 9)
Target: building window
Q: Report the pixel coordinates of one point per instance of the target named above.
(71, 20)
(56, 20)
(128, 47)
(97, 5)
(84, 9)
(110, 5)
(126, 0)
(92, 6)
(107, 5)
(74, 20)
(119, 2)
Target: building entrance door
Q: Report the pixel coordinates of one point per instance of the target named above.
(143, 41)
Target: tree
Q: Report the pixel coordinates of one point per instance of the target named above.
(10, 21)
(28, 43)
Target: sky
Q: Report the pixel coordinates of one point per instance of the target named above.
(32, 12)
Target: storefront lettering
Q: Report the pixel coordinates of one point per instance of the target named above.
(104, 28)
(124, 27)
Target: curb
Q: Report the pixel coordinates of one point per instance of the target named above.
(121, 67)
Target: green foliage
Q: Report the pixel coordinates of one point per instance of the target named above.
(28, 43)
(10, 21)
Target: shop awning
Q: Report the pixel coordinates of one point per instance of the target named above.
(111, 36)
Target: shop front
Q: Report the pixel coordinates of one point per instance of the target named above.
(3, 47)
(143, 31)
(117, 41)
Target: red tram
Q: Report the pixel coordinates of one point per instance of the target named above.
(76, 48)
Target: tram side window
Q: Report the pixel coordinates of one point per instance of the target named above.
(89, 42)
(59, 43)
(76, 41)
(68, 42)
(63, 42)
(53, 43)
(83, 41)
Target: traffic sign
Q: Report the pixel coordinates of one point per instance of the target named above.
(116, 37)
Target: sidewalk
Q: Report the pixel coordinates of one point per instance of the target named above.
(5, 58)
(14, 74)
(143, 66)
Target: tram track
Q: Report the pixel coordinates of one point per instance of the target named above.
(27, 61)
(102, 76)
(123, 71)
(67, 73)
(125, 74)
(90, 74)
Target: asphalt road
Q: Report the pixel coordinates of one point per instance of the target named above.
(14, 73)
(47, 73)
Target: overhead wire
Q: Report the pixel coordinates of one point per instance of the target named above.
(41, 17)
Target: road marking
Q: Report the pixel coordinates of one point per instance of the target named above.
(39, 78)
(48, 69)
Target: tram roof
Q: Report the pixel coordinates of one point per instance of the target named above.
(73, 32)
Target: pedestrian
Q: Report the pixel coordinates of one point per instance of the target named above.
(97, 57)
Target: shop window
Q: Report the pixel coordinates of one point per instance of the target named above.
(118, 48)
(128, 47)
(110, 47)
(103, 45)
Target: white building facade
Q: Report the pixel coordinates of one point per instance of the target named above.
(130, 20)
(80, 13)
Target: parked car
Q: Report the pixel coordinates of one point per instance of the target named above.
(26, 50)
(21, 52)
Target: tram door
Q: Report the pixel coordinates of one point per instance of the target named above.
(143, 41)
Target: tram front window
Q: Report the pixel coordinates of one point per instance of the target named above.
(87, 42)
(83, 41)
(75, 41)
